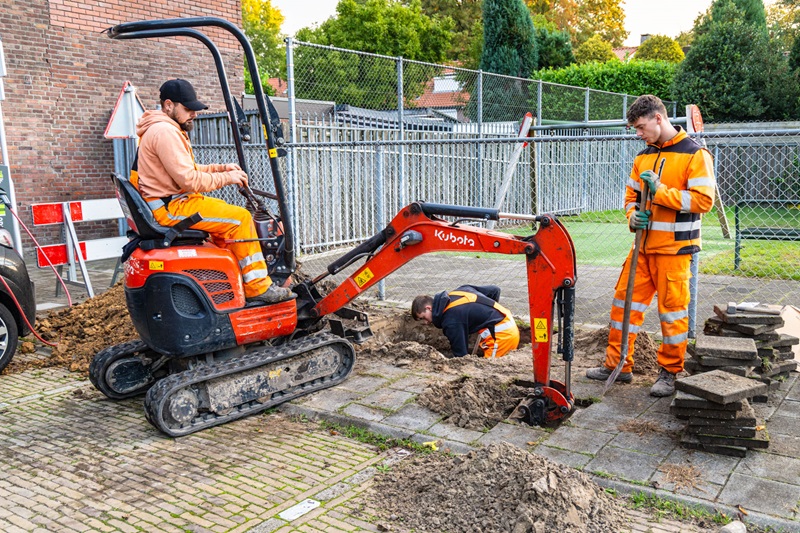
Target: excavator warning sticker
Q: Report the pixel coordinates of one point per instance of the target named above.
(364, 277)
(273, 152)
(540, 329)
(156, 265)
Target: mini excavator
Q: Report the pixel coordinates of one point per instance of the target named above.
(205, 356)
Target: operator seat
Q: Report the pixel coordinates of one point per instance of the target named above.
(147, 233)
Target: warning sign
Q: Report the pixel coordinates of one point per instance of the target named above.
(540, 329)
(364, 277)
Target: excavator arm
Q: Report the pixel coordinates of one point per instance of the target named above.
(550, 264)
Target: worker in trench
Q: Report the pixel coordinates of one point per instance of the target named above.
(467, 310)
(671, 234)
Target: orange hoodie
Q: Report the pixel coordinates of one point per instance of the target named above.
(166, 162)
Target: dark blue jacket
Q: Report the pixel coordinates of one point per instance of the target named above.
(458, 323)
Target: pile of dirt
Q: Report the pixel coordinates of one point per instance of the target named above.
(81, 331)
(473, 403)
(500, 488)
(590, 346)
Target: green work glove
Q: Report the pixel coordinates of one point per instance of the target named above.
(650, 179)
(640, 220)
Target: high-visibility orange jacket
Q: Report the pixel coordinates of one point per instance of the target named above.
(686, 192)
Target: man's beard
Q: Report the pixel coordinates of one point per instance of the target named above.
(187, 126)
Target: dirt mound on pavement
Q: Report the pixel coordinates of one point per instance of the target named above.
(590, 347)
(81, 331)
(500, 488)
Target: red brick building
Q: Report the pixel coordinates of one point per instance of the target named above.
(64, 76)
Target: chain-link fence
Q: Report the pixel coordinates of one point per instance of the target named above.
(377, 145)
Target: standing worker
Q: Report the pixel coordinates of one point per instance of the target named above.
(166, 175)
(470, 309)
(671, 234)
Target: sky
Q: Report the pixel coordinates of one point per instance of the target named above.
(656, 17)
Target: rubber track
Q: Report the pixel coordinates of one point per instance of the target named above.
(158, 395)
(100, 362)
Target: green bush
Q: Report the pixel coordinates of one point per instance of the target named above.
(595, 49)
(634, 78)
(659, 48)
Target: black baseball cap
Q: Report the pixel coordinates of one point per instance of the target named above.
(181, 92)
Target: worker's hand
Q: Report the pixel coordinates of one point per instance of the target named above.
(640, 219)
(650, 179)
(238, 178)
(232, 166)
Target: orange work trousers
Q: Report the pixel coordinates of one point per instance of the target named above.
(506, 336)
(222, 221)
(667, 275)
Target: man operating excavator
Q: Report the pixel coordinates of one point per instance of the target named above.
(171, 182)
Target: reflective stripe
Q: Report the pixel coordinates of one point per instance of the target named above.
(502, 326)
(231, 221)
(633, 184)
(249, 260)
(158, 203)
(494, 350)
(630, 206)
(635, 306)
(631, 329)
(676, 339)
(686, 201)
(673, 316)
(255, 274)
(676, 226)
(700, 182)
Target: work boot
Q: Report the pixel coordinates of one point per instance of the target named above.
(273, 295)
(602, 373)
(664, 385)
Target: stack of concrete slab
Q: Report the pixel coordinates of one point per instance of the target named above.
(720, 418)
(774, 350)
(733, 354)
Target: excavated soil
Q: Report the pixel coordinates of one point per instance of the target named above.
(500, 488)
(79, 332)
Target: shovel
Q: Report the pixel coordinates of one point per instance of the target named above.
(626, 313)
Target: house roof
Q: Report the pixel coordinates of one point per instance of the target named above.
(624, 53)
(443, 92)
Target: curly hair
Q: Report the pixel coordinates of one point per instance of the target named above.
(646, 105)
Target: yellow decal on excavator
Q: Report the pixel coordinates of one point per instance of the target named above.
(540, 329)
(273, 152)
(364, 277)
(156, 265)
(274, 373)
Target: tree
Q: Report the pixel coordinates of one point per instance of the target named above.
(262, 25)
(734, 73)
(783, 19)
(595, 49)
(466, 15)
(555, 46)
(386, 27)
(605, 18)
(510, 49)
(659, 47)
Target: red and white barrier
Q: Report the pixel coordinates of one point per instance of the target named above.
(67, 214)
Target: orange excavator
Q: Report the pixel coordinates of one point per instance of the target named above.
(206, 357)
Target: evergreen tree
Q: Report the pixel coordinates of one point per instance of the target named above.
(659, 48)
(510, 49)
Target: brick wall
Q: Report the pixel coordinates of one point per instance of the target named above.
(63, 80)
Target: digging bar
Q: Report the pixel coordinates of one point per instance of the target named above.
(626, 313)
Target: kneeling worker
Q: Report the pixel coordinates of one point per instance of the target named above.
(470, 309)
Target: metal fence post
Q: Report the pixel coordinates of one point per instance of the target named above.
(479, 148)
(624, 107)
(291, 164)
(539, 104)
(380, 215)
(401, 167)
(586, 106)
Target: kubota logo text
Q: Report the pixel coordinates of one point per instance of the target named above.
(452, 237)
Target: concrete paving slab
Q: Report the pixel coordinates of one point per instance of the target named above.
(759, 441)
(414, 417)
(451, 432)
(785, 425)
(690, 441)
(789, 408)
(624, 464)
(657, 444)
(713, 468)
(356, 410)
(578, 439)
(724, 347)
(746, 318)
(720, 387)
(768, 465)
(762, 495)
(516, 434)
(363, 384)
(412, 383)
(564, 457)
(330, 399)
(690, 401)
(387, 399)
(787, 445)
